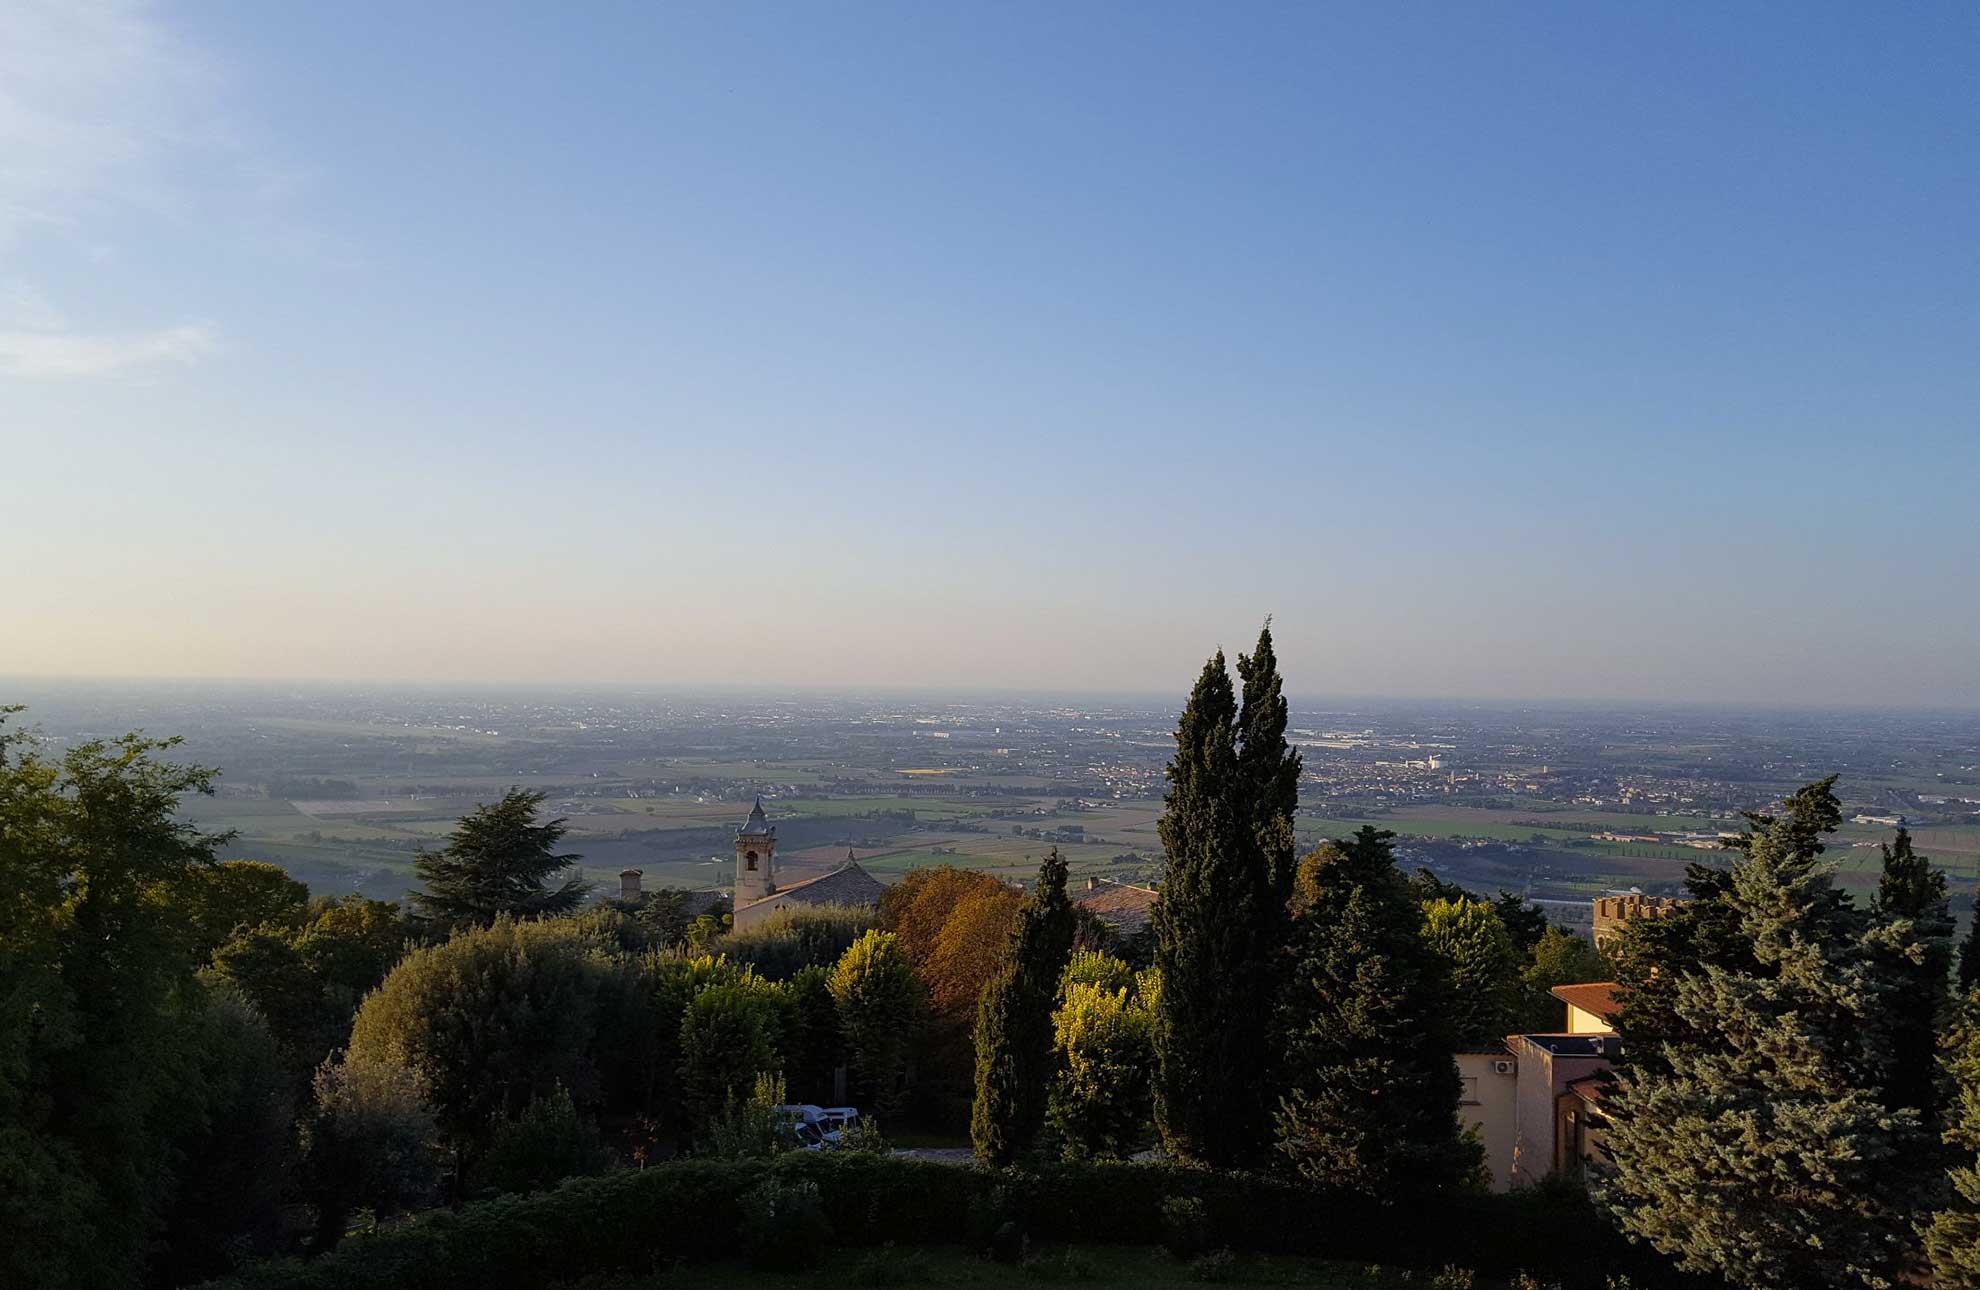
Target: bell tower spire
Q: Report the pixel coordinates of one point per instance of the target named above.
(756, 857)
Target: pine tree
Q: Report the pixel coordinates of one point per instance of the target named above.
(1969, 956)
(1372, 1086)
(1270, 767)
(1755, 1145)
(1213, 1041)
(1953, 1239)
(1015, 1058)
(1911, 894)
(498, 860)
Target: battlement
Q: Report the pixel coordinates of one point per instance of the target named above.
(1611, 912)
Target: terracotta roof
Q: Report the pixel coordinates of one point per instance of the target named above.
(846, 885)
(1595, 997)
(1122, 906)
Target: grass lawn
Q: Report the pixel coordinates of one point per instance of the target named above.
(1081, 1265)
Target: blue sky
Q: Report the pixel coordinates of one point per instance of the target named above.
(1508, 351)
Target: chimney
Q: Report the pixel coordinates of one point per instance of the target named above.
(1092, 883)
(629, 884)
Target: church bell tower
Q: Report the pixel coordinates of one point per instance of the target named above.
(756, 850)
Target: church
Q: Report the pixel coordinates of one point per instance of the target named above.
(757, 892)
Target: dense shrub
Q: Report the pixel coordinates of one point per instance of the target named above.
(1185, 1227)
(791, 940)
(783, 1225)
(1215, 1267)
(749, 1127)
(548, 1142)
(637, 1221)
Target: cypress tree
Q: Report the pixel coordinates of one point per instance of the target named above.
(1953, 1239)
(1269, 766)
(498, 860)
(1015, 1056)
(1911, 896)
(1212, 1039)
(1756, 1144)
(1372, 1085)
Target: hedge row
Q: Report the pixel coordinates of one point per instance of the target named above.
(635, 1221)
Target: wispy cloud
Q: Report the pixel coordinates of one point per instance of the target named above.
(65, 354)
(112, 130)
(96, 99)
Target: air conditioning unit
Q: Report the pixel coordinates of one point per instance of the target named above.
(1503, 1068)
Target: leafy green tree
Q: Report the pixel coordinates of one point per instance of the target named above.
(307, 979)
(499, 860)
(349, 943)
(1371, 1082)
(99, 1066)
(1216, 924)
(641, 1011)
(1559, 958)
(815, 1049)
(1103, 1100)
(368, 1142)
(227, 1201)
(1483, 966)
(880, 1004)
(1952, 1239)
(263, 964)
(1525, 923)
(1757, 1147)
(1911, 894)
(490, 1019)
(1090, 967)
(1014, 1055)
(730, 1034)
(210, 904)
(1426, 887)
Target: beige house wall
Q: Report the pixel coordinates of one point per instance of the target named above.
(1582, 1022)
(1487, 1103)
(1543, 1077)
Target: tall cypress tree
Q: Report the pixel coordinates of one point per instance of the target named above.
(1014, 1044)
(1269, 766)
(1911, 896)
(498, 860)
(1756, 1145)
(1212, 1037)
(1372, 1087)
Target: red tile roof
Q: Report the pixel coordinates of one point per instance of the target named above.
(1595, 997)
(1122, 906)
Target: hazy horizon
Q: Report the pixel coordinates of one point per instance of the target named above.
(17, 687)
(1529, 355)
